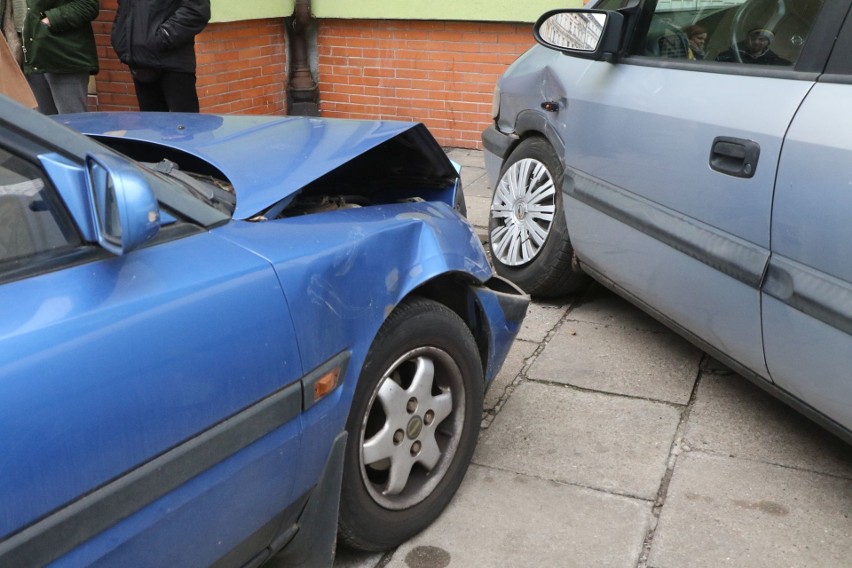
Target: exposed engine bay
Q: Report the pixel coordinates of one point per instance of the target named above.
(395, 171)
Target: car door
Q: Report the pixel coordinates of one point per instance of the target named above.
(808, 294)
(671, 159)
(150, 402)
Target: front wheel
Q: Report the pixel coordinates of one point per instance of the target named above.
(528, 236)
(412, 428)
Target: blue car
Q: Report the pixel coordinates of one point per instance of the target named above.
(230, 339)
(694, 157)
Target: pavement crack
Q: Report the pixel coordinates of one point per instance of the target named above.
(570, 386)
(787, 466)
(662, 493)
(605, 491)
(489, 415)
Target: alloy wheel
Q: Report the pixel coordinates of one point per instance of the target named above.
(411, 430)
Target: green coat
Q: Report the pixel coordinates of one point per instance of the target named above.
(68, 45)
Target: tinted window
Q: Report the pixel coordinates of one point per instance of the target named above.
(609, 4)
(754, 32)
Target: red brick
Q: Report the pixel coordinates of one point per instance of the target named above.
(440, 73)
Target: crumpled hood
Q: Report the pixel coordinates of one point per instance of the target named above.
(266, 158)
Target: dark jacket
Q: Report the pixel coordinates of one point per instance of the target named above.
(68, 44)
(768, 57)
(159, 34)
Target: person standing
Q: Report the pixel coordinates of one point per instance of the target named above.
(60, 53)
(156, 39)
(12, 19)
(13, 83)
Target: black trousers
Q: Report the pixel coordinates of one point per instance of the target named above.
(169, 91)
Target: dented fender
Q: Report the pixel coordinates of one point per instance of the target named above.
(356, 260)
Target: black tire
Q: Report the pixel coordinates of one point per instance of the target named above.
(527, 233)
(382, 506)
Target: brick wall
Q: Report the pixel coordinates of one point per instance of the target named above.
(113, 85)
(241, 68)
(439, 73)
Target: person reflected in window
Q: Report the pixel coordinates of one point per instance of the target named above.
(754, 50)
(673, 44)
(697, 37)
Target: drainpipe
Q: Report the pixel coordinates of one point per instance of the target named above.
(302, 90)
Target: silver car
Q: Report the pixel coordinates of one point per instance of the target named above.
(695, 157)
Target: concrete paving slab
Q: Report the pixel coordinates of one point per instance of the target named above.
(542, 319)
(595, 440)
(477, 210)
(612, 358)
(478, 186)
(470, 177)
(599, 305)
(466, 157)
(502, 518)
(732, 417)
(520, 352)
(729, 512)
(345, 558)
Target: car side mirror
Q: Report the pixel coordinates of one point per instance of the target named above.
(124, 209)
(590, 34)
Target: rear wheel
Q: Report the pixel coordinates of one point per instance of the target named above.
(528, 236)
(412, 428)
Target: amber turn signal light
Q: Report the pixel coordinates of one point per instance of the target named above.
(327, 383)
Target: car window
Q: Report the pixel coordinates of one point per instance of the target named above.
(608, 4)
(32, 220)
(750, 32)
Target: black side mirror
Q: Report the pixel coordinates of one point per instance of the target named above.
(590, 34)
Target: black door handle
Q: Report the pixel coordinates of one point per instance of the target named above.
(734, 156)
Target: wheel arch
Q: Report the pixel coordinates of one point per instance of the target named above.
(534, 123)
(456, 291)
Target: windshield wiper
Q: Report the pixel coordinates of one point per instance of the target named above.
(210, 193)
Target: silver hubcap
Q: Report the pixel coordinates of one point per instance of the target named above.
(411, 430)
(522, 212)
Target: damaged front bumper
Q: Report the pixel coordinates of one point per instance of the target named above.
(504, 306)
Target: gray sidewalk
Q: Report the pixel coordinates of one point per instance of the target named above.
(610, 441)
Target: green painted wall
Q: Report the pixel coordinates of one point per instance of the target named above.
(463, 10)
(231, 11)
